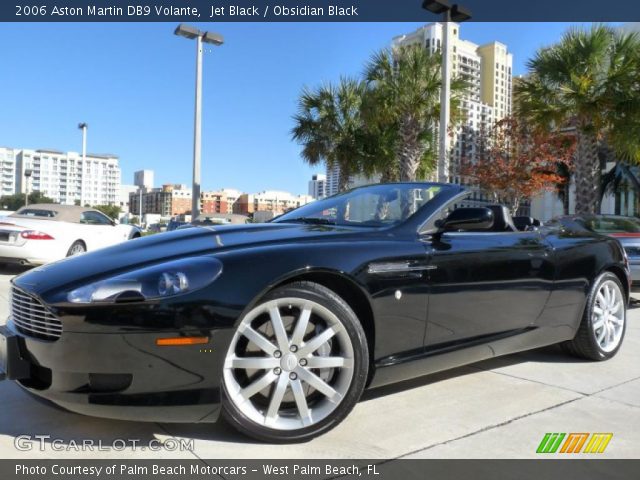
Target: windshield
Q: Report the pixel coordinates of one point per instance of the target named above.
(379, 205)
(608, 225)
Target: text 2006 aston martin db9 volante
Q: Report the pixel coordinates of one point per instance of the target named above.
(280, 326)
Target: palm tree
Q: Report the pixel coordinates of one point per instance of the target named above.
(590, 79)
(329, 127)
(405, 89)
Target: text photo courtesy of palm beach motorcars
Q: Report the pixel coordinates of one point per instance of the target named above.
(378, 240)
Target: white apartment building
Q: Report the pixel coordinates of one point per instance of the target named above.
(8, 170)
(332, 181)
(66, 178)
(317, 186)
(143, 179)
(123, 197)
(488, 71)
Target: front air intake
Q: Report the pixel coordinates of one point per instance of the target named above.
(32, 318)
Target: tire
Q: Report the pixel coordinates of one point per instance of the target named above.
(77, 248)
(313, 370)
(597, 338)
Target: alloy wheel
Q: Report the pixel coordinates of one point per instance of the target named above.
(289, 364)
(608, 316)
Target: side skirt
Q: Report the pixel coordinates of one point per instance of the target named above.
(438, 359)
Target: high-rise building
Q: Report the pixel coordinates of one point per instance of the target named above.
(317, 186)
(8, 170)
(332, 181)
(143, 179)
(66, 178)
(487, 70)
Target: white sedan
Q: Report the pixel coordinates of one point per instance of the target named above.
(43, 233)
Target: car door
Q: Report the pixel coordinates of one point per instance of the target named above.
(99, 229)
(485, 283)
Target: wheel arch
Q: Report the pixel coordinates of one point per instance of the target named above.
(80, 240)
(619, 272)
(350, 292)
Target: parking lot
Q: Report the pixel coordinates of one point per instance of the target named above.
(499, 408)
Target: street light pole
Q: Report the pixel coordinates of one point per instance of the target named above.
(83, 126)
(27, 175)
(197, 131)
(454, 13)
(201, 37)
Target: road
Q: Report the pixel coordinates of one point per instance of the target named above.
(499, 408)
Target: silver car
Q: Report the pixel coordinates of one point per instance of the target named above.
(625, 229)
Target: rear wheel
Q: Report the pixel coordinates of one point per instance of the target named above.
(604, 322)
(296, 365)
(77, 248)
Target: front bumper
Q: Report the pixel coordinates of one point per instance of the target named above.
(121, 375)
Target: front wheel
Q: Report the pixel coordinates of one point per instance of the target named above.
(296, 365)
(604, 322)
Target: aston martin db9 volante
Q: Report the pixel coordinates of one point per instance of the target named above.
(279, 327)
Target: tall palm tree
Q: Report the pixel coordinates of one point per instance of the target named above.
(405, 86)
(329, 127)
(590, 79)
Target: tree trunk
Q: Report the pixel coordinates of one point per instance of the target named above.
(389, 174)
(344, 178)
(587, 173)
(410, 149)
(565, 197)
(515, 205)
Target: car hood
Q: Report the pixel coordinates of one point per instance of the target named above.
(172, 245)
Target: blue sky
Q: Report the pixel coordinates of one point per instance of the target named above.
(134, 85)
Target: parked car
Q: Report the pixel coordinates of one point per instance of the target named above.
(43, 233)
(175, 224)
(281, 326)
(624, 229)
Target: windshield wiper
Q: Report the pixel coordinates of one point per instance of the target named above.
(310, 220)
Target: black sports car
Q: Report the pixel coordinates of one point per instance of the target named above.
(280, 326)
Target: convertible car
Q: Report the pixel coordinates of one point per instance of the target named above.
(279, 327)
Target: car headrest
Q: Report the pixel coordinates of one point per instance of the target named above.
(502, 219)
(522, 223)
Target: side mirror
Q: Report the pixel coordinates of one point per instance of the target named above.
(467, 219)
(115, 221)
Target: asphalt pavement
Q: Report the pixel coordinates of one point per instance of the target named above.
(500, 408)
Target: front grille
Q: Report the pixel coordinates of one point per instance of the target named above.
(632, 251)
(32, 318)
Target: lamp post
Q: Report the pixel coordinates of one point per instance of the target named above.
(27, 175)
(454, 13)
(201, 37)
(83, 126)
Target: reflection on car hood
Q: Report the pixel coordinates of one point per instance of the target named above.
(170, 245)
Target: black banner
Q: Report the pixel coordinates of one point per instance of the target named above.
(308, 10)
(319, 469)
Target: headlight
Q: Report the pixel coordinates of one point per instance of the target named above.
(157, 281)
